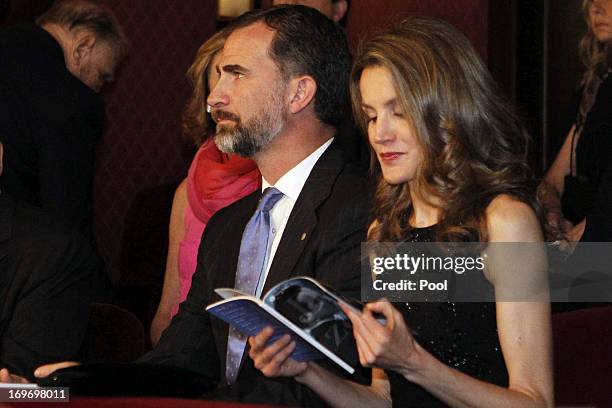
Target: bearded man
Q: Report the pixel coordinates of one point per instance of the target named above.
(282, 80)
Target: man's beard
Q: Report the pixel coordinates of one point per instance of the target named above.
(249, 138)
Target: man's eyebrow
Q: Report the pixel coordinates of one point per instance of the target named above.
(232, 68)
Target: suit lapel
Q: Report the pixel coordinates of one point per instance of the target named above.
(303, 218)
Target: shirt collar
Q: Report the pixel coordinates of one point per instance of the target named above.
(292, 182)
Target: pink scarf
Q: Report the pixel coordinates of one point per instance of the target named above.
(216, 180)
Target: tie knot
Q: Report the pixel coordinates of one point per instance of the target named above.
(269, 198)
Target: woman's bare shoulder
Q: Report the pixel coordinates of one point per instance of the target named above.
(512, 220)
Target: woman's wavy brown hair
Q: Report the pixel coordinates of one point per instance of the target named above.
(197, 123)
(474, 145)
(597, 59)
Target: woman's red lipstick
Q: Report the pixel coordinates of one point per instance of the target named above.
(390, 156)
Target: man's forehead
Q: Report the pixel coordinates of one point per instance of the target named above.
(251, 42)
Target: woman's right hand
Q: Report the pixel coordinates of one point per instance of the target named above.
(558, 225)
(274, 360)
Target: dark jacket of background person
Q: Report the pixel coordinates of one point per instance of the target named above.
(590, 192)
(46, 278)
(50, 122)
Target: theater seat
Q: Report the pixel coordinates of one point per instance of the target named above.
(113, 335)
(583, 357)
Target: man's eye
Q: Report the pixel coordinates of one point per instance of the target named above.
(238, 75)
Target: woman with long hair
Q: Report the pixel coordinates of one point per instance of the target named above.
(577, 188)
(450, 157)
(215, 180)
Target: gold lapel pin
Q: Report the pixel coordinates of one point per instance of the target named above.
(303, 237)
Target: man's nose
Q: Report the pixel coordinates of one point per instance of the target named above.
(218, 95)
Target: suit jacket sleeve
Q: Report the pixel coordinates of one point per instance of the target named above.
(45, 287)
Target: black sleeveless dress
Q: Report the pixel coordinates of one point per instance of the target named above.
(461, 335)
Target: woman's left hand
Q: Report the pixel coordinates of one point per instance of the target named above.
(390, 346)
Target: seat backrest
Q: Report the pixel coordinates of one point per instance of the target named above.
(583, 357)
(114, 335)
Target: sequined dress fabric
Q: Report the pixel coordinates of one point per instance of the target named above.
(461, 335)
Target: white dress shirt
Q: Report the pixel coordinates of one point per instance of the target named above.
(290, 184)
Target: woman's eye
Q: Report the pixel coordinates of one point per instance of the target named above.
(371, 119)
(398, 114)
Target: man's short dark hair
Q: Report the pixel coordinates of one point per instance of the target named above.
(308, 43)
(89, 15)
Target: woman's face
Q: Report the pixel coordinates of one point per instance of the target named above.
(600, 19)
(389, 130)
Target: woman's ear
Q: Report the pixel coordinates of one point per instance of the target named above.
(302, 93)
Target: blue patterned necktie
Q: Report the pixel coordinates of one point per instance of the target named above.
(254, 249)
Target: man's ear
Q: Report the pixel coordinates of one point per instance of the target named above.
(339, 9)
(83, 46)
(303, 90)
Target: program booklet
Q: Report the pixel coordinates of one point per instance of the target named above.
(301, 307)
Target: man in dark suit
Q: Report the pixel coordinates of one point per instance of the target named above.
(282, 82)
(46, 272)
(51, 115)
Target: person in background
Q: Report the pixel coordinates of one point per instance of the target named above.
(336, 10)
(51, 115)
(451, 163)
(215, 180)
(46, 275)
(577, 189)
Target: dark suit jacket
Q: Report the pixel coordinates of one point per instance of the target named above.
(46, 273)
(49, 124)
(331, 212)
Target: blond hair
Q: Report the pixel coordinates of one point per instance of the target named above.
(597, 59)
(197, 123)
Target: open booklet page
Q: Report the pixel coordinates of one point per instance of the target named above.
(301, 307)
